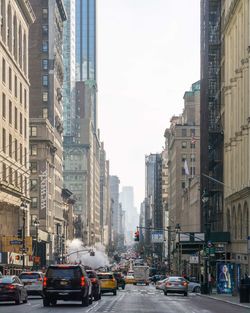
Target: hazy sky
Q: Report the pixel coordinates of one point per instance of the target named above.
(148, 56)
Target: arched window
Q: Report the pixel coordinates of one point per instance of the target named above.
(228, 220)
(24, 53)
(3, 20)
(245, 222)
(234, 223)
(20, 43)
(15, 38)
(9, 29)
(239, 222)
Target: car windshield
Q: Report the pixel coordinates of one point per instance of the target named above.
(6, 280)
(64, 273)
(29, 276)
(105, 276)
(176, 279)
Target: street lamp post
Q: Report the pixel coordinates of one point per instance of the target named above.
(36, 224)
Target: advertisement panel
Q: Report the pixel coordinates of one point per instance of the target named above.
(157, 236)
(225, 277)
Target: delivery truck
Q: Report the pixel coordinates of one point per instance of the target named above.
(141, 274)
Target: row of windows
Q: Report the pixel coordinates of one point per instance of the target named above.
(191, 171)
(184, 132)
(13, 177)
(18, 153)
(13, 118)
(22, 91)
(13, 34)
(185, 157)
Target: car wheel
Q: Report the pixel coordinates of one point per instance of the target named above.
(91, 299)
(46, 302)
(185, 294)
(17, 301)
(197, 289)
(165, 293)
(85, 301)
(114, 292)
(53, 302)
(25, 299)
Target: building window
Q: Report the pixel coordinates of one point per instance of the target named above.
(45, 46)
(192, 145)
(25, 157)
(33, 167)
(45, 29)
(192, 158)
(45, 64)
(10, 78)
(21, 153)
(4, 172)
(183, 185)
(45, 113)
(10, 145)
(45, 13)
(184, 132)
(34, 202)
(10, 175)
(184, 144)
(16, 149)
(33, 184)
(16, 178)
(192, 170)
(183, 157)
(33, 131)
(4, 105)
(20, 39)
(192, 132)
(21, 93)
(25, 128)
(45, 96)
(25, 98)
(45, 80)
(21, 123)
(3, 70)
(15, 86)
(4, 140)
(15, 118)
(33, 150)
(10, 112)
(183, 171)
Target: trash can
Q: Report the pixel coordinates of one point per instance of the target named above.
(244, 293)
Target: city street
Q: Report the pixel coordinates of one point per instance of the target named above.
(134, 299)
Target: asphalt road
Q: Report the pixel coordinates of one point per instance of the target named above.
(134, 299)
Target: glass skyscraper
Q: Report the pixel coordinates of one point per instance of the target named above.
(85, 40)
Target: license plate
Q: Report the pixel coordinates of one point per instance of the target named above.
(64, 283)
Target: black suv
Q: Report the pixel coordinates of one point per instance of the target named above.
(66, 282)
(96, 288)
(120, 280)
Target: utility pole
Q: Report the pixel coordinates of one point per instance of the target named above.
(169, 249)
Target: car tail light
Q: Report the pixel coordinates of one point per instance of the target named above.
(40, 279)
(168, 284)
(82, 281)
(184, 283)
(11, 287)
(93, 280)
(45, 279)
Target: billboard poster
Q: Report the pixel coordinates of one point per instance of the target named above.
(225, 277)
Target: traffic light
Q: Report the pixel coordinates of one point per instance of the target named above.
(137, 236)
(20, 233)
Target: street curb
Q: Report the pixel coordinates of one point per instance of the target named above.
(223, 300)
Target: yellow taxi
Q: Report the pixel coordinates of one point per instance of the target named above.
(129, 279)
(108, 282)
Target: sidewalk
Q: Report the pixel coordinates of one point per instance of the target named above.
(226, 298)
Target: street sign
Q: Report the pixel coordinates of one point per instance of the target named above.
(194, 259)
(157, 236)
(16, 242)
(23, 249)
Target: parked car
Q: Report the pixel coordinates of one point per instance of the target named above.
(96, 285)
(176, 284)
(120, 280)
(12, 289)
(160, 284)
(33, 281)
(68, 283)
(193, 286)
(108, 282)
(155, 278)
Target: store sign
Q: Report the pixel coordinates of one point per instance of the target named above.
(157, 236)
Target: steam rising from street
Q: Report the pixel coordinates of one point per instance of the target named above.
(100, 259)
